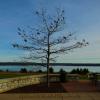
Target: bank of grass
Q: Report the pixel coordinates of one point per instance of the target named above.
(98, 76)
(4, 75)
(84, 78)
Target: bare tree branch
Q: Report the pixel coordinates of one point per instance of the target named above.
(43, 41)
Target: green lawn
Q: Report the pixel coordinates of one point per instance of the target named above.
(84, 78)
(12, 75)
(4, 75)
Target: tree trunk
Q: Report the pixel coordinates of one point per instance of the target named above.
(48, 84)
(48, 62)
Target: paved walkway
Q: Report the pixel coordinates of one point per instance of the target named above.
(71, 86)
(74, 91)
(39, 88)
(52, 96)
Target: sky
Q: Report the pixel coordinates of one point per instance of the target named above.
(82, 17)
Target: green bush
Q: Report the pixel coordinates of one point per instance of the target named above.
(51, 70)
(62, 76)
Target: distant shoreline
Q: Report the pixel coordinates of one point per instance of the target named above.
(53, 64)
(56, 68)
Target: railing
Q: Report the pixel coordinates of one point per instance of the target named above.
(12, 83)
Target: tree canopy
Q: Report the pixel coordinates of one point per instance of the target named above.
(46, 42)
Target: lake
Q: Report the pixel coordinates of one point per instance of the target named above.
(56, 68)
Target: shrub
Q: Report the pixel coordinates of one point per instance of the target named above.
(23, 70)
(62, 76)
(51, 70)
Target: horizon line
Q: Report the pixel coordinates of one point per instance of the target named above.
(54, 64)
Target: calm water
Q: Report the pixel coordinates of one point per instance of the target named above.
(56, 68)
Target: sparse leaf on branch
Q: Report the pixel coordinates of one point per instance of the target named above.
(44, 42)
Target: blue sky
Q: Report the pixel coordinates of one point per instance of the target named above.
(82, 16)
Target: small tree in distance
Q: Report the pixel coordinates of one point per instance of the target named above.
(44, 42)
(80, 71)
(23, 70)
(51, 70)
(62, 75)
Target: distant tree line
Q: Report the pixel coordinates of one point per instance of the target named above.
(51, 70)
(80, 71)
(23, 70)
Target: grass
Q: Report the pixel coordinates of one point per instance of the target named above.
(84, 78)
(99, 77)
(12, 75)
(4, 75)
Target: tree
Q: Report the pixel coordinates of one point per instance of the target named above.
(73, 71)
(80, 71)
(63, 77)
(1, 70)
(85, 71)
(40, 71)
(23, 70)
(45, 42)
(61, 70)
(7, 70)
(51, 70)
